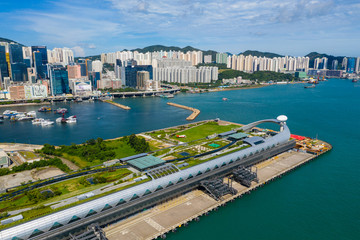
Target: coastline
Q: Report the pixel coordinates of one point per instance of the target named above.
(24, 104)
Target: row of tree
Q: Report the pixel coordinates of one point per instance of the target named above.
(261, 76)
(56, 162)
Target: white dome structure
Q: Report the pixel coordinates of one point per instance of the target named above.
(282, 118)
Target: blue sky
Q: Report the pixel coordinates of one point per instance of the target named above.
(288, 27)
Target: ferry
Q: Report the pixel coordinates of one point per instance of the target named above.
(44, 109)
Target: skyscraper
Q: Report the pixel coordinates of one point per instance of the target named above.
(131, 73)
(19, 72)
(357, 65)
(38, 65)
(334, 65)
(59, 80)
(351, 65)
(16, 53)
(3, 64)
(43, 51)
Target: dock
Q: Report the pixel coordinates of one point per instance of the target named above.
(117, 104)
(178, 212)
(195, 111)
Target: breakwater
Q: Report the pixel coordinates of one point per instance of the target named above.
(117, 104)
(195, 111)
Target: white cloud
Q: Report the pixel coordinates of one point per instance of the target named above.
(78, 51)
(97, 25)
(91, 46)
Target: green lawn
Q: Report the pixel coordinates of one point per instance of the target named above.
(203, 131)
(121, 148)
(42, 210)
(27, 155)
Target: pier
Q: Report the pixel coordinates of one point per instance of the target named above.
(117, 104)
(195, 111)
(178, 212)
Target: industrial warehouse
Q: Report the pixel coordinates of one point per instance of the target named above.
(113, 207)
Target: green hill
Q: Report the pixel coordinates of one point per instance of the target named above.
(154, 48)
(9, 41)
(260, 54)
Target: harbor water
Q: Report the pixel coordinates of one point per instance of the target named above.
(317, 201)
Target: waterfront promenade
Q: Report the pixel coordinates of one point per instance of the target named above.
(169, 216)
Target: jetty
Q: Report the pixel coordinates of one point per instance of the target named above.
(195, 111)
(117, 104)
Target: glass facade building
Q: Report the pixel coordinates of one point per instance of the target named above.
(59, 80)
(83, 69)
(94, 77)
(38, 64)
(131, 73)
(43, 51)
(3, 64)
(19, 72)
(16, 53)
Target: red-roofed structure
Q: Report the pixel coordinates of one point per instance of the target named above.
(297, 137)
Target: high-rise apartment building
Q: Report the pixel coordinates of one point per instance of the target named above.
(351, 65)
(221, 58)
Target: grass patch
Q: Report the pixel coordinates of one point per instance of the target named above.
(203, 131)
(41, 210)
(28, 155)
(68, 188)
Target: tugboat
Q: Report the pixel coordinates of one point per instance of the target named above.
(44, 109)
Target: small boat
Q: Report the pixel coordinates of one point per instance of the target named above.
(71, 119)
(224, 99)
(37, 121)
(355, 80)
(61, 120)
(44, 109)
(9, 113)
(61, 110)
(31, 114)
(47, 122)
(78, 99)
(311, 86)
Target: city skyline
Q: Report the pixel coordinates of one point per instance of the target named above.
(90, 28)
